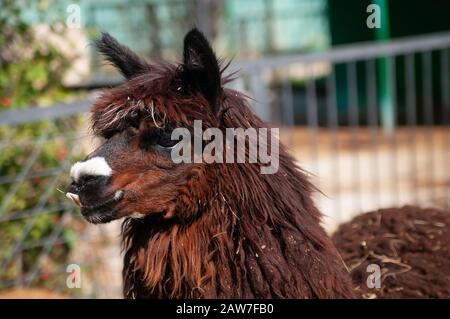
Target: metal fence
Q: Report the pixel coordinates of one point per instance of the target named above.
(369, 121)
(40, 231)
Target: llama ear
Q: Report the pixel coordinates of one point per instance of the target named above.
(201, 68)
(120, 56)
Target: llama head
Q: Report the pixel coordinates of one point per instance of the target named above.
(132, 173)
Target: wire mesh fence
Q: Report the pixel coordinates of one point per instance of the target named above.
(39, 228)
(370, 122)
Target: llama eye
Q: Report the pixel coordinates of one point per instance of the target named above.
(165, 140)
(157, 138)
(133, 119)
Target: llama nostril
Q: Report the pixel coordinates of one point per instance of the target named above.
(84, 179)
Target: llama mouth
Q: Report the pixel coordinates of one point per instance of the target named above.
(102, 212)
(118, 195)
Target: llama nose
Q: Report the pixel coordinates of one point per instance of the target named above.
(91, 168)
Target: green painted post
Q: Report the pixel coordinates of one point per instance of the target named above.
(384, 71)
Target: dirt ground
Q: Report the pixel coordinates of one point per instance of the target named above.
(31, 293)
(410, 245)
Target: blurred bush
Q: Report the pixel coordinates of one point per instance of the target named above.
(31, 208)
(31, 69)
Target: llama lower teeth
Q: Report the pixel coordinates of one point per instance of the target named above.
(74, 198)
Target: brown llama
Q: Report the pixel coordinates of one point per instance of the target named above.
(197, 230)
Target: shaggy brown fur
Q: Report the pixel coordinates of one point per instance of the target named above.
(411, 245)
(224, 230)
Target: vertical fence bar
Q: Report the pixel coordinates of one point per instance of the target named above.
(393, 137)
(332, 124)
(311, 109)
(242, 36)
(445, 92)
(382, 34)
(287, 109)
(259, 90)
(372, 121)
(445, 87)
(202, 8)
(353, 119)
(411, 121)
(427, 86)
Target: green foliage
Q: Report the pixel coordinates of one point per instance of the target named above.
(30, 74)
(30, 70)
